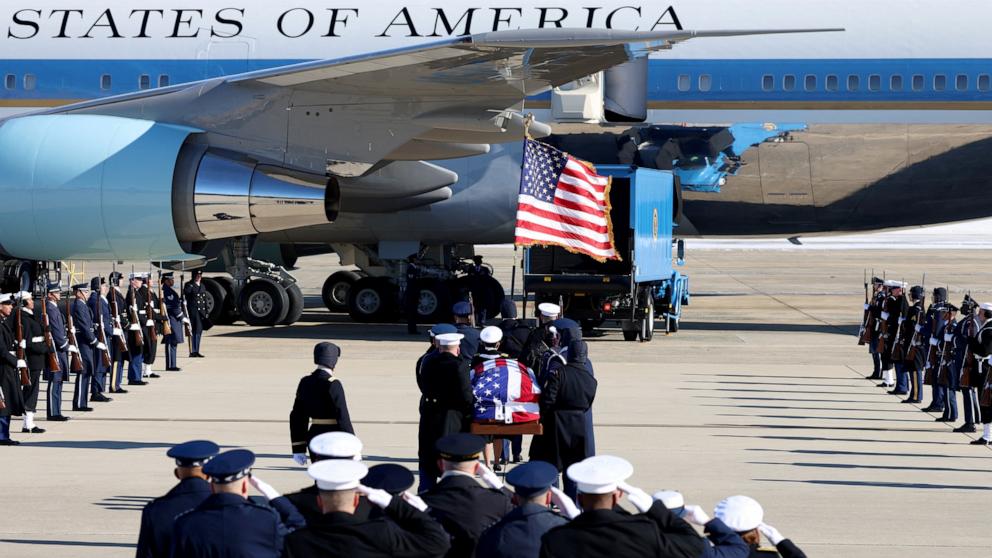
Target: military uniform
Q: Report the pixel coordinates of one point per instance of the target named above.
(446, 405)
(874, 320)
(56, 324)
(10, 384)
(100, 308)
(135, 307)
(148, 311)
(518, 534)
(196, 310)
(981, 345)
(785, 549)
(175, 315)
(121, 321)
(319, 407)
(82, 321)
(908, 374)
(893, 309)
(35, 352)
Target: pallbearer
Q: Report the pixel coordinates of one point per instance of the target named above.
(55, 378)
(177, 318)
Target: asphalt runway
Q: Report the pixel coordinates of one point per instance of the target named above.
(761, 393)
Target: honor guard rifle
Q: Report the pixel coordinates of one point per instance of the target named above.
(150, 309)
(914, 343)
(75, 360)
(166, 326)
(52, 356)
(133, 317)
(864, 320)
(898, 352)
(115, 313)
(946, 355)
(25, 374)
(101, 334)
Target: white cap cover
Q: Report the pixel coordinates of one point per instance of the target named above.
(22, 295)
(986, 306)
(600, 474)
(740, 513)
(4, 297)
(337, 474)
(449, 339)
(491, 335)
(893, 283)
(341, 445)
(672, 499)
(549, 309)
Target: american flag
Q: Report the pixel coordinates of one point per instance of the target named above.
(505, 391)
(563, 202)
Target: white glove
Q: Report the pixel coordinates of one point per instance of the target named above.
(771, 533)
(885, 315)
(23, 344)
(300, 458)
(640, 499)
(265, 488)
(21, 364)
(918, 328)
(185, 320)
(564, 503)
(101, 347)
(134, 307)
(134, 327)
(118, 332)
(866, 306)
(490, 478)
(415, 501)
(933, 341)
(901, 319)
(73, 349)
(149, 323)
(378, 497)
(948, 337)
(695, 515)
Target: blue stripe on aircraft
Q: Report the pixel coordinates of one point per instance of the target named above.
(729, 80)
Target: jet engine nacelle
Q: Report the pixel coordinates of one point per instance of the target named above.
(107, 188)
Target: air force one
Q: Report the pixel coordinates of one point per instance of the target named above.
(177, 134)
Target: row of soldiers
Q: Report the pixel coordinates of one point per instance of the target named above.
(96, 333)
(351, 509)
(947, 347)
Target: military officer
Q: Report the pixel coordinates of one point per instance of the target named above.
(227, 523)
(893, 309)
(176, 317)
(745, 515)
(135, 306)
(446, 403)
(536, 344)
(148, 310)
(981, 345)
(601, 530)
(966, 329)
(432, 349)
(330, 445)
(519, 533)
(391, 477)
(905, 331)
(463, 507)
(35, 351)
(470, 341)
(10, 383)
(118, 336)
(409, 532)
(196, 310)
(934, 331)
(726, 543)
(100, 308)
(82, 321)
(320, 405)
(56, 324)
(155, 536)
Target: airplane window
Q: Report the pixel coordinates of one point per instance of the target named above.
(918, 82)
(144, 81)
(685, 82)
(10, 81)
(105, 82)
(961, 82)
(789, 82)
(705, 82)
(939, 82)
(895, 83)
(853, 82)
(833, 83)
(163, 80)
(30, 81)
(874, 82)
(767, 83)
(984, 82)
(809, 83)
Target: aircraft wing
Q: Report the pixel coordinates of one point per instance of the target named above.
(440, 100)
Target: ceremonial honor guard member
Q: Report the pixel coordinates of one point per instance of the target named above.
(601, 530)
(196, 311)
(491, 338)
(330, 445)
(148, 311)
(82, 321)
(518, 534)
(118, 342)
(55, 378)
(463, 507)
(320, 405)
(158, 517)
(904, 359)
(227, 523)
(137, 318)
(408, 531)
(981, 345)
(874, 327)
(446, 403)
(947, 375)
(100, 308)
(893, 309)
(726, 543)
(935, 330)
(536, 344)
(964, 364)
(35, 351)
(745, 515)
(470, 341)
(176, 317)
(10, 383)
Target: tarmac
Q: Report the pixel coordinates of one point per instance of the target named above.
(762, 392)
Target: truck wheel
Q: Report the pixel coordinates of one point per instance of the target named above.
(369, 299)
(630, 330)
(296, 303)
(647, 323)
(263, 302)
(672, 325)
(229, 309)
(214, 299)
(335, 290)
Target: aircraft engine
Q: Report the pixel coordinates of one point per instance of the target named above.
(107, 188)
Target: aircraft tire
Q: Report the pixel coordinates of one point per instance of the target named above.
(334, 293)
(296, 304)
(263, 302)
(433, 301)
(370, 299)
(229, 309)
(215, 299)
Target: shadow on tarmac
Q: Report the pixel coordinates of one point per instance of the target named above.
(911, 485)
(879, 467)
(870, 453)
(70, 543)
(840, 329)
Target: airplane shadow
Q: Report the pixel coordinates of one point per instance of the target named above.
(69, 543)
(878, 484)
(870, 453)
(874, 467)
(801, 417)
(843, 329)
(101, 444)
(825, 439)
(807, 408)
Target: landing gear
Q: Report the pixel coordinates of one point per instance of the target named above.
(433, 300)
(335, 290)
(216, 296)
(296, 303)
(263, 302)
(371, 299)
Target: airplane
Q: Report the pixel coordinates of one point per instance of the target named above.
(218, 133)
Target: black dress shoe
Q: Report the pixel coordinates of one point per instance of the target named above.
(58, 418)
(118, 390)
(979, 442)
(908, 401)
(942, 419)
(968, 428)
(138, 383)
(874, 377)
(894, 392)
(83, 409)
(9, 442)
(154, 375)
(35, 430)
(198, 355)
(932, 410)
(174, 369)
(517, 458)
(100, 398)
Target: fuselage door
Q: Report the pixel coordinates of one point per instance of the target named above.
(226, 57)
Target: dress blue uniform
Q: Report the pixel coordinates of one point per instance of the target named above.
(174, 309)
(518, 534)
(82, 321)
(118, 355)
(230, 525)
(56, 323)
(155, 537)
(101, 317)
(193, 295)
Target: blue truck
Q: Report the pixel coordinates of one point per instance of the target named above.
(641, 288)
